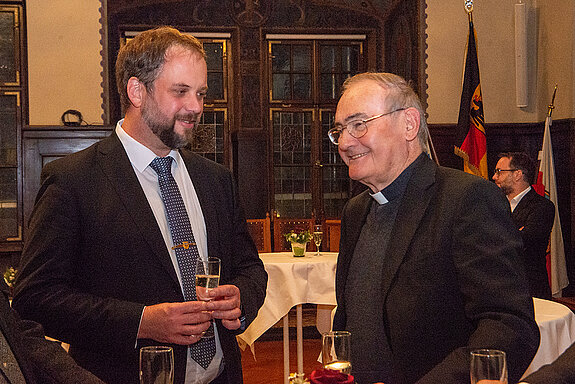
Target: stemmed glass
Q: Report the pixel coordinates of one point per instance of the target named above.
(317, 237)
(207, 278)
(156, 365)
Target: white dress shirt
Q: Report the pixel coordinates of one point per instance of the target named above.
(140, 157)
(513, 202)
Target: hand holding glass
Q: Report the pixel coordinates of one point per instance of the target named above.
(488, 366)
(336, 351)
(207, 278)
(156, 365)
(317, 237)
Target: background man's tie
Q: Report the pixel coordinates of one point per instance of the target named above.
(204, 350)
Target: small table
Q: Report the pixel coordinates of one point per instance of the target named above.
(293, 281)
(557, 327)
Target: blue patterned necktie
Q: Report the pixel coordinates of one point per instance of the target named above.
(185, 246)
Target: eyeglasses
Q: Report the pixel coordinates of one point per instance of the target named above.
(498, 170)
(356, 128)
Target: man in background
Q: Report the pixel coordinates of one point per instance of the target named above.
(532, 213)
(427, 269)
(110, 257)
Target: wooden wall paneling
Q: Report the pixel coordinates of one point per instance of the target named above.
(44, 144)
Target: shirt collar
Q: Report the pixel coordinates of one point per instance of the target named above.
(397, 186)
(140, 156)
(513, 202)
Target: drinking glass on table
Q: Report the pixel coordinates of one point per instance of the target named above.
(207, 278)
(488, 366)
(317, 237)
(156, 365)
(336, 351)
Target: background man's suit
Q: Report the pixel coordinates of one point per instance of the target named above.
(534, 217)
(41, 361)
(451, 277)
(95, 256)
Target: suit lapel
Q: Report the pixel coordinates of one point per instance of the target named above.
(117, 167)
(414, 203)
(519, 212)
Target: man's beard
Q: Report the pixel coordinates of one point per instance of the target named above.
(506, 189)
(164, 127)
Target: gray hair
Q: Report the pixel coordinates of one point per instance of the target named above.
(401, 95)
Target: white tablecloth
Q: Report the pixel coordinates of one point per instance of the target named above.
(292, 281)
(557, 327)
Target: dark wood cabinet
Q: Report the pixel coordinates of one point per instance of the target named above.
(42, 144)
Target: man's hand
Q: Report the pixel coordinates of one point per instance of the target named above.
(175, 323)
(225, 305)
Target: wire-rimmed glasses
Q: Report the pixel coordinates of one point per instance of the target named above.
(356, 128)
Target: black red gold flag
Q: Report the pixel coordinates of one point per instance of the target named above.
(470, 141)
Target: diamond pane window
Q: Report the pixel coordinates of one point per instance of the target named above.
(335, 178)
(208, 137)
(292, 162)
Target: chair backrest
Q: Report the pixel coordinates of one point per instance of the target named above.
(282, 226)
(260, 230)
(332, 227)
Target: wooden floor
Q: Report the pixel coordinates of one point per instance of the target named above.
(267, 366)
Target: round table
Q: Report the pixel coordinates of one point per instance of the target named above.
(293, 281)
(557, 327)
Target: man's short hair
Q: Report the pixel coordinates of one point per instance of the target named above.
(144, 55)
(522, 161)
(401, 95)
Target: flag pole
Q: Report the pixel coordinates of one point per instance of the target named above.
(468, 4)
(552, 106)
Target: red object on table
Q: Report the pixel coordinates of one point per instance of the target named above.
(329, 376)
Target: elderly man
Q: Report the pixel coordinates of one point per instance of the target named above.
(532, 213)
(427, 269)
(110, 258)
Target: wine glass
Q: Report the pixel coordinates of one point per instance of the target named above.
(156, 365)
(207, 278)
(336, 351)
(317, 237)
(488, 366)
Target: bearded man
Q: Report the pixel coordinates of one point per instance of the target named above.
(110, 257)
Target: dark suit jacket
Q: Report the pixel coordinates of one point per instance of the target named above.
(41, 361)
(452, 278)
(94, 257)
(534, 217)
(561, 371)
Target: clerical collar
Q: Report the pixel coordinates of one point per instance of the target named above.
(397, 186)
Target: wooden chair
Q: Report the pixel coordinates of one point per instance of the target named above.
(260, 230)
(332, 229)
(282, 226)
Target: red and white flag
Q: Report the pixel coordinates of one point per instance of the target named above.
(546, 183)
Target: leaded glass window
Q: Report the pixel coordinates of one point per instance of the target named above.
(208, 138)
(305, 78)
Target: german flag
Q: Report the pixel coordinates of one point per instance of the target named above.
(470, 141)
